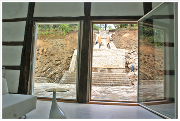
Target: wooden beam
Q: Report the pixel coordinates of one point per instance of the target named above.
(48, 19)
(147, 6)
(14, 20)
(116, 18)
(11, 67)
(82, 82)
(113, 103)
(133, 22)
(12, 43)
(26, 52)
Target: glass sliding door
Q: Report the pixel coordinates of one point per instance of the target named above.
(156, 79)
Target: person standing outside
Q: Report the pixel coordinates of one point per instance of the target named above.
(132, 66)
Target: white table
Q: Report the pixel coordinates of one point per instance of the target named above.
(56, 112)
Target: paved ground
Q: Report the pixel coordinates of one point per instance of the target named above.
(120, 93)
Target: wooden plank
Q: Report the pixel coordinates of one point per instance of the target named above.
(82, 82)
(113, 103)
(14, 20)
(115, 18)
(147, 7)
(11, 67)
(48, 19)
(26, 52)
(12, 43)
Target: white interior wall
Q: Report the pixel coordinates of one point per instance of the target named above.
(11, 55)
(12, 77)
(117, 9)
(13, 31)
(14, 10)
(55, 9)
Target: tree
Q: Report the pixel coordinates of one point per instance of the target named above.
(117, 26)
(95, 27)
(110, 27)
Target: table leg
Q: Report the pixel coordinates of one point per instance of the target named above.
(56, 112)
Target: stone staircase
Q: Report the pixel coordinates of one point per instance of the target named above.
(68, 78)
(103, 57)
(110, 79)
(98, 78)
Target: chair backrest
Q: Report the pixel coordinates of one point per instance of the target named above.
(4, 87)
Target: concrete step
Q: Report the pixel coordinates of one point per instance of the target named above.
(68, 78)
(112, 84)
(116, 79)
(110, 79)
(108, 74)
(101, 80)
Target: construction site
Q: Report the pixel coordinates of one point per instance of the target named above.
(114, 66)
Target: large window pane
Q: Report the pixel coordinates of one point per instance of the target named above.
(115, 48)
(156, 60)
(56, 59)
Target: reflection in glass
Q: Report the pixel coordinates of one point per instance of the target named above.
(156, 61)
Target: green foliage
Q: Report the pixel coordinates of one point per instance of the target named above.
(125, 26)
(109, 27)
(95, 27)
(117, 26)
(152, 36)
(59, 29)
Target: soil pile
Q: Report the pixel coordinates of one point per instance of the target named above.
(54, 54)
(151, 56)
(128, 40)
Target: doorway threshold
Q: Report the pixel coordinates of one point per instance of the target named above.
(113, 103)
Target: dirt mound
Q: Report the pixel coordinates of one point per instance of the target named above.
(126, 39)
(151, 62)
(151, 56)
(54, 54)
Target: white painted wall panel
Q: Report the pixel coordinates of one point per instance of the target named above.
(116, 9)
(12, 78)
(11, 55)
(14, 10)
(55, 9)
(13, 31)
